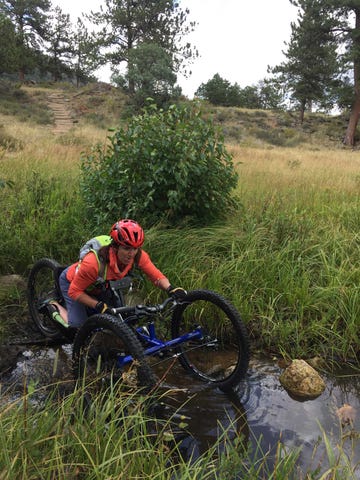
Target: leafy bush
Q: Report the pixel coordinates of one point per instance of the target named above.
(274, 137)
(166, 165)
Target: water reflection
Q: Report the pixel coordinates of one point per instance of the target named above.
(260, 411)
(273, 414)
(209, 415)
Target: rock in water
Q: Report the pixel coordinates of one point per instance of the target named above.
(302, 380)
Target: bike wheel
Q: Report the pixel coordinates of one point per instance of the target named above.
(99, 346)
(220, 355)
(42, 287)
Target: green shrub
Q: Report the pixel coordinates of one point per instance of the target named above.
(273, 137)
(166, 165)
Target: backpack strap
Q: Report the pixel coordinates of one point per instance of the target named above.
(102, 269)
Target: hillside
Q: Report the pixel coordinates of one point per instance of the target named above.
(105, 107)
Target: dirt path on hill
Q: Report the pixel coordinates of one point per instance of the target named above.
(64, 119)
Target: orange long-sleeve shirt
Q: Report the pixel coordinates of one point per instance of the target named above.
(85, 273)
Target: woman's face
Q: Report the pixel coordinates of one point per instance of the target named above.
(126, 255)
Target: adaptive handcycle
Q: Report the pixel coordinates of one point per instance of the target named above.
(207, 335)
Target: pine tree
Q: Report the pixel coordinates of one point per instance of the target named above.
(326, 43)
(311, 69)
(151, 75)
(85, 52)
(217, 91)
(129, 23)
(30, 23)
(59, 46)
(8, 50)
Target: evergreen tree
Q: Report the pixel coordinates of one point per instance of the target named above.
(346, 28)
(310, 71)
(151, 75)
(8, 49)
(329, 43)
(271, 94)
(85, 52)
(30, 22)
(249, 97)
(219, 91)
(129, 23)
(59, 46)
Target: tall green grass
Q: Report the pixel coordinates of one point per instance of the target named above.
(40, 216)
(111, 439)
(118, 437)
(288, 257)
(295, 282)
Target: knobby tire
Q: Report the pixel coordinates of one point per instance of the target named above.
(42, 286)
(96, 347)
(221, 357)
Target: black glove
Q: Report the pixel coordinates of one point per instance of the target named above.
(177, 293)
(101, 307)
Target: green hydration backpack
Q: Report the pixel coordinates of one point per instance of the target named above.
(94, 245)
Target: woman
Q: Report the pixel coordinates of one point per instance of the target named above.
(115, 257)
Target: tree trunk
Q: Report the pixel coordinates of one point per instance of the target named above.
(131, 80)
(302, 111)
(130, 45)
(349, 138)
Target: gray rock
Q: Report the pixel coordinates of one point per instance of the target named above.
(11, 281)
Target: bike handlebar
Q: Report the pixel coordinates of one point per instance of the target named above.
(146, 309)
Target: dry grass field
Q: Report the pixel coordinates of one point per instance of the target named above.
(282, 169)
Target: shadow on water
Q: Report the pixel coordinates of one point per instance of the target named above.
(260, 410)
(273, 414)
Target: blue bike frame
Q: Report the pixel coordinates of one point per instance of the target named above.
(154, 344)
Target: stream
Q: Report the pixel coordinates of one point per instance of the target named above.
(261, 410)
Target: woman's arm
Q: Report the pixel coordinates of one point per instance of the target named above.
(85, 275)
(163, 283)
(158, 278)
(87, 300)
(152, 272)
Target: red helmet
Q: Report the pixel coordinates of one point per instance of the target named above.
(127, 233)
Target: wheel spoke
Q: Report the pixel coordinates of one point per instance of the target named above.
(221, 355)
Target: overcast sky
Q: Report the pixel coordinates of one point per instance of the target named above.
(236, 38)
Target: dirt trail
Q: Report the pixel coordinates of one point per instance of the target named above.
(64, 120)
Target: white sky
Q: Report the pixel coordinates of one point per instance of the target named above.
(236, 38)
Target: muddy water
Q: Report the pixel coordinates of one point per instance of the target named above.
(260, 410)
